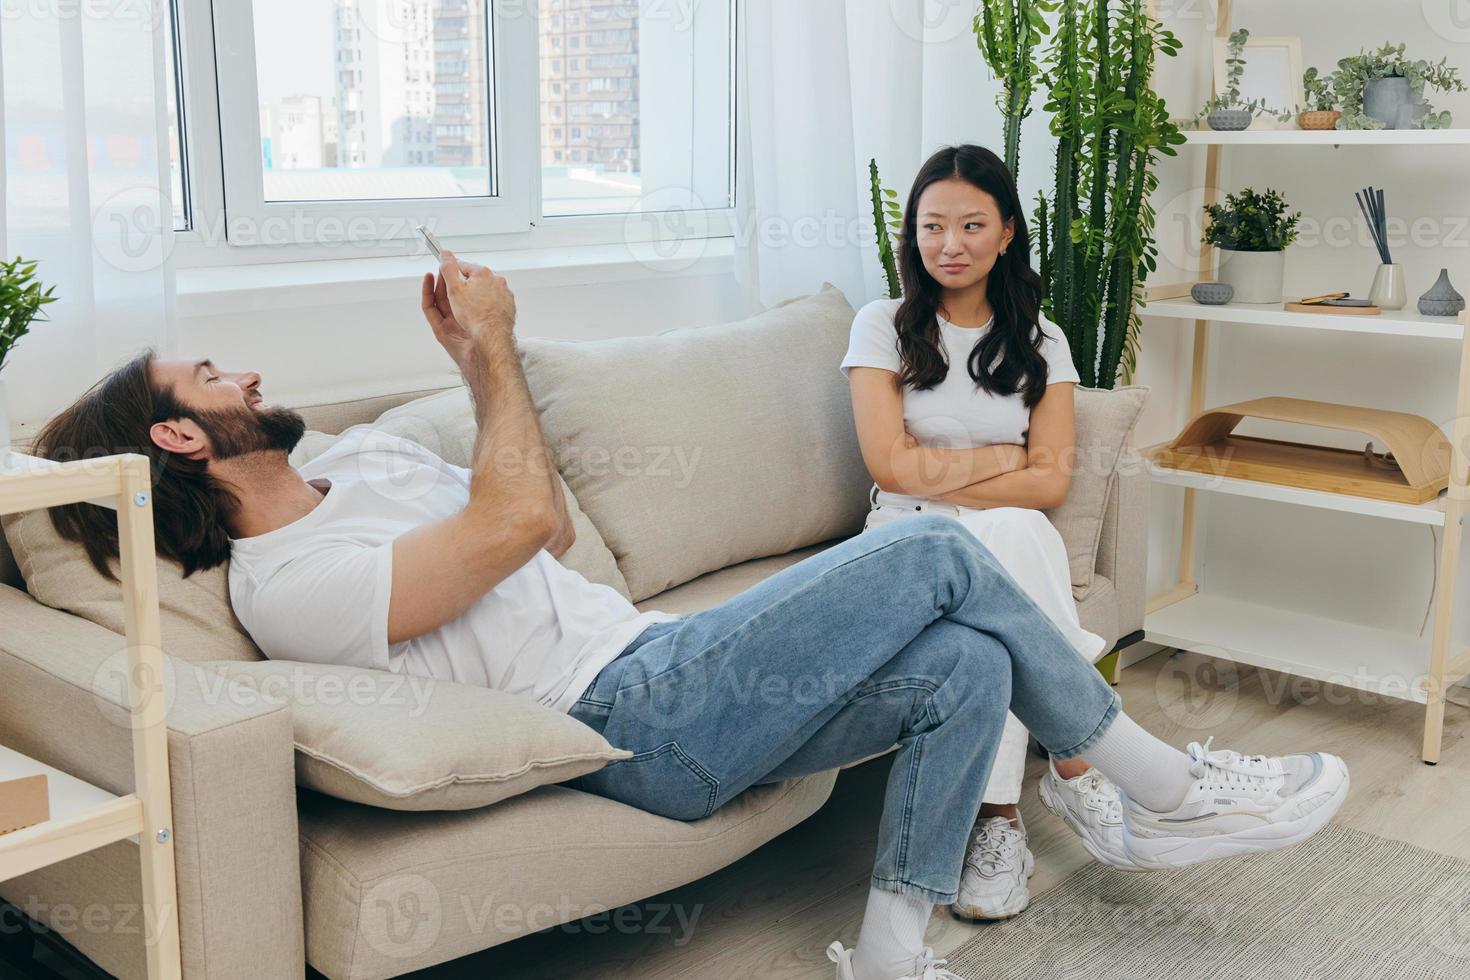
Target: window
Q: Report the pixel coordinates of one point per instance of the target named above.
(178, 170)
(664, 99)
(356, 120)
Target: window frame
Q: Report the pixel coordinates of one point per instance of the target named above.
(213, 207)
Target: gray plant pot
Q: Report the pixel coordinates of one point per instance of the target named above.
(1229, 120)
(1442, 299)
(1256, 277)
(1212, 293)
(1384, 97)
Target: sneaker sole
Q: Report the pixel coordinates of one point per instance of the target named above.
(1164, 853)
(1018, 905)
(1058, 809)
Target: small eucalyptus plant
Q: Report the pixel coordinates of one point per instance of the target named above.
(1356, 71)
(1317, 90)
(1231, 97)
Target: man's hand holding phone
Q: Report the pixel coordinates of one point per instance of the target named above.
(466, 306)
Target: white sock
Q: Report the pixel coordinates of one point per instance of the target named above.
(1150, 771)
(892, 935)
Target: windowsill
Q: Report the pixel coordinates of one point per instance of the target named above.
(215, 291)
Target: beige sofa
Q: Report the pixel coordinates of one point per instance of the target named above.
(271, 876)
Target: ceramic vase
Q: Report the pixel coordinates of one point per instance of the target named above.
(1388, 291)
(1383, 97)
(1256, 277)
(1229, 120)
(1319, 119)
(1442, 299)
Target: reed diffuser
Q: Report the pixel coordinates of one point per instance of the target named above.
(1388, 290)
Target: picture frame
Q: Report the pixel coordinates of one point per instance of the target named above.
(1273, 72)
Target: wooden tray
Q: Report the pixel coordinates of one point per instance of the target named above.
(1323, 308)
(1421, 450)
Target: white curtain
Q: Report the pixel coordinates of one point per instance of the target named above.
(86, 192)
(826, 86)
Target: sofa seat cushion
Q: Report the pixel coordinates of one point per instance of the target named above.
(389, 892)
(699, 448)
(405, 742)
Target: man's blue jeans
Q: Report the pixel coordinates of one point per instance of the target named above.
(911, 634)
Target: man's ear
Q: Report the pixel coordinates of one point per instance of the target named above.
(179, 436)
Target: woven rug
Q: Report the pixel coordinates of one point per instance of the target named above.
(1344, 904)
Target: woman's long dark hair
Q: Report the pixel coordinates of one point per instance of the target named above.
(1013, 288)
(114, 416)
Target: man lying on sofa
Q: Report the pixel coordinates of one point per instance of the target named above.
(379, 554)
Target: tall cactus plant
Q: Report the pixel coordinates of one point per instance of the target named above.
(1095, 233)
(1007, 33)
(887, 222)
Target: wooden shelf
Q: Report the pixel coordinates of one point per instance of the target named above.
(1401, 323)
(1384, 662)
(1328, 137)
(84, 817)
(1431, 513)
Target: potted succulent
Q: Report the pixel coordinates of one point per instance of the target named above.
(1384, 90)
(1251, 231)
(1321, 110)
(21, 299)
(1228, 110)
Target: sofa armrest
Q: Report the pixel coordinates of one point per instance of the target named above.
(232, 769)
(1122, 553)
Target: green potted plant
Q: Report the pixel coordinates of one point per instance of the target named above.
(1382, 89)
(1321, 110)
(21, 299)
(1251, 230)
(1007, 33)
(1228, 110)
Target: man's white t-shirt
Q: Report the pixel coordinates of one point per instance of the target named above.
(956, 413)
(318, 589)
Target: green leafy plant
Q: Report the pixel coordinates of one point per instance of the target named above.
(21, 299)
(1007, 33)
(1095, 232)
(1318, 91)
(1251, 222)
(1356, 71)
(1231, 97)
(888, 222)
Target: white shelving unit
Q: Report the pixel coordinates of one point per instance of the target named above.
(1350, 654)
(85, 817)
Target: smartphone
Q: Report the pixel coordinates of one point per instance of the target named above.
(430, 240)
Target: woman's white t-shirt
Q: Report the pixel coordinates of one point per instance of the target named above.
(956, 413)
(318, 588)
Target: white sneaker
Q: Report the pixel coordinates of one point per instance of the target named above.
(1090, 805)
(926, 967)
(1237, 805)
(993, 882)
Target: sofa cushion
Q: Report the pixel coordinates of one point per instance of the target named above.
(702, 447)
(389, 893)
(1104, 420)
(194, 615)
(415, 743)
(444, 423)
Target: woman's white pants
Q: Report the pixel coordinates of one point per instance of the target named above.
(1031, 549)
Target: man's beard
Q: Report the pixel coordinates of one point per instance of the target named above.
(235, 432)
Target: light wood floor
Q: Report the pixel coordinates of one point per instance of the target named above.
(772, 914)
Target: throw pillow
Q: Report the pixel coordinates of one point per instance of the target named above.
(1104, 420)
(404, 742)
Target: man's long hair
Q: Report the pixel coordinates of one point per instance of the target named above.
(1013, 288)
(114, 416)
